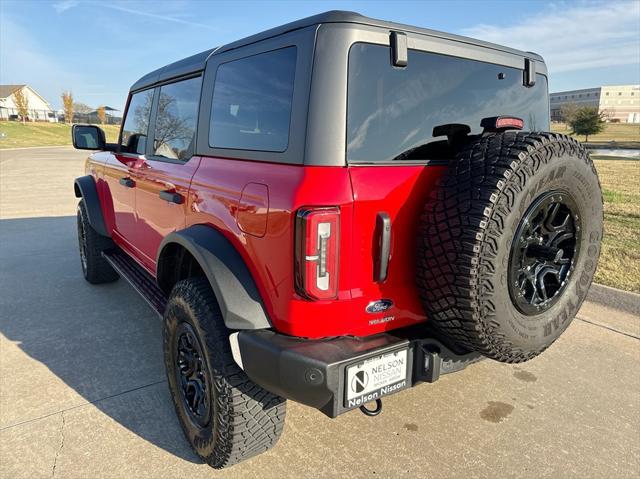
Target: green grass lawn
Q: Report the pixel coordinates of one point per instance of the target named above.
(18, 135)
(620, 257)
(618, 132)
(22, 135)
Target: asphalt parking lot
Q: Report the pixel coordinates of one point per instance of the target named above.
(83, 392)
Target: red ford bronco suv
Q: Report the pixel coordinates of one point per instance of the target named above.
(335, 210)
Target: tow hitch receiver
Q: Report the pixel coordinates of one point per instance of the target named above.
(431, 359)
(434, 359)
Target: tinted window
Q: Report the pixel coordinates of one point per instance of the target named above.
(136, 124)
(394, 110)
(176, 119)
(252, 102)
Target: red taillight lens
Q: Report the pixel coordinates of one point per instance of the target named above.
(317, 250)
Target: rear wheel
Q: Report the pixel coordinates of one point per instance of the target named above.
(224, 415)
(509, 243)
(95, 268)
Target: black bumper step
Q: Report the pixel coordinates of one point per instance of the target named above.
(137, 277)
(314, 372)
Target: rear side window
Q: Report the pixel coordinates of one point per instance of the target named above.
(176, 119)
(392, 111)
(136, 124)
(252, 100)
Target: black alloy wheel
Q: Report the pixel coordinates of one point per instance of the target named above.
(192, 375)
(543, 253)
(82, 244)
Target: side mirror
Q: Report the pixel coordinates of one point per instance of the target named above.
(137, 144)
(88, 137)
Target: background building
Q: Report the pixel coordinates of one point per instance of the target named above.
(39, 108)
(620, 103)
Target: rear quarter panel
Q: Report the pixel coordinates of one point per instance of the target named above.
(214, 200)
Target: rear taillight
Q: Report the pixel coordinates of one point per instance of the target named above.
(317, 249)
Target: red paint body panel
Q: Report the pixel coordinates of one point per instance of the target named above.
(254, 205)
(122, 207)
(401, 192)
(270, 258)
(253, 209)
(156, 218)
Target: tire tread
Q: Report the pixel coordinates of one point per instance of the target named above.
(98, 269)
(459, 229)
(248, 419)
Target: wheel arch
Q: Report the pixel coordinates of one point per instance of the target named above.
(85, 187)
(203, 250)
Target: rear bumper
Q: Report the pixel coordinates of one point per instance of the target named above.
(314, 372)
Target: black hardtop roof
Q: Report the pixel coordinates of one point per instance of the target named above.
(197, 62)
(180, 68)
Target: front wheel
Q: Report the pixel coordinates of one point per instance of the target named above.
(95, 268)
(224, 415)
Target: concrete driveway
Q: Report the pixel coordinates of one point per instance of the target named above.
(83, 391)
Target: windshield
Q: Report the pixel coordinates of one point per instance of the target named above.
(392, 111)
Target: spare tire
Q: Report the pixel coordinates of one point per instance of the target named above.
(509, 242)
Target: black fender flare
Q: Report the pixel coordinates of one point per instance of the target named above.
(236, 291)
(85, 188)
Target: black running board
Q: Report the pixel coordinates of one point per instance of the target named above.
(137, 277)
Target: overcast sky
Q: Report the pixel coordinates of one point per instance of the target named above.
(98, 49)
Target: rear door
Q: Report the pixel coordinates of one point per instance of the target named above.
(395, 159)
(164, 177)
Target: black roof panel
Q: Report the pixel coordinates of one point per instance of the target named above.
(182, 67)
(340, 16)
(197, 62)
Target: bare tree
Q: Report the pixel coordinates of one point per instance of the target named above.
(141, 114)
(173, 134)
(102, 114)
(22, 104)
(568, 111)
(82, 108)
(67, 105)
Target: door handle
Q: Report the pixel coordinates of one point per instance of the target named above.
(172, 197)
(127, 182)
(383, 233)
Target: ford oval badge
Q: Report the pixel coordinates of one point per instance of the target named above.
(379, 306)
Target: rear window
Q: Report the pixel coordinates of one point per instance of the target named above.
(176, 119)
(252, 100)
(394, 110)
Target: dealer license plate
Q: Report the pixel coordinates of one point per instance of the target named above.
(375, 377)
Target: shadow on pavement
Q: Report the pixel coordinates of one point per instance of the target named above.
(101, 341)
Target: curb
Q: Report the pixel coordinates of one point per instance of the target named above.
(615, 298)
(596, 146)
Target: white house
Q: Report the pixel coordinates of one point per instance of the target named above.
(39, 108)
